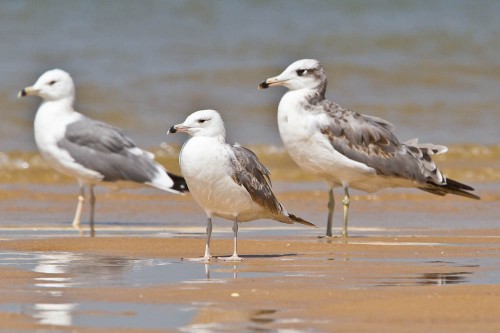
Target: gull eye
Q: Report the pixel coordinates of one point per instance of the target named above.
(201, 121)
(51, 83)
(301, 72)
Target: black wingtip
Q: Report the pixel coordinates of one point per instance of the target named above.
(297, 219)
(461, 189)
(179, 183)
(452, 187)
(172, 130)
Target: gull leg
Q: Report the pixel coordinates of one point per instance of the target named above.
(207, 256)
(92, 208)
(207, 271)
(234, 257)
(78, 213)
(346, 203)
(331, 206)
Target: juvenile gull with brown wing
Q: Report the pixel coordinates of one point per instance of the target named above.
(347, 148)
(226, 180)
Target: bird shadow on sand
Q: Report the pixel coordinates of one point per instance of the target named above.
(268, 256)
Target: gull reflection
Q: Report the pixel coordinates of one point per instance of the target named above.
(53, 263)
(438, 279)
(208, 276)
(54, 314)
(64, 270)
(65, 266)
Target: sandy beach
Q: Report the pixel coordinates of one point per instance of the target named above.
(414, 262)
(390, 284)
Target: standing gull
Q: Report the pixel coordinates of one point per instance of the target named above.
(347, 148)
(226, 180)
(89, 150)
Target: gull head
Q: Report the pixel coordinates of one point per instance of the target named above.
(202, 123)
(52, 85)
(305, 73)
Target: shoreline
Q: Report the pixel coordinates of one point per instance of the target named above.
(443, 283)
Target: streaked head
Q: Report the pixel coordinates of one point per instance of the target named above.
(305, 73)
(52, 85)
(202, 123)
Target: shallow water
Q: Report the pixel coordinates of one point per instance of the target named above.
(46, 210)
(106, 314)
(429, 67)
(64, 271)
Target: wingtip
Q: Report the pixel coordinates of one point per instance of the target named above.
(297, 219)
(180, 184)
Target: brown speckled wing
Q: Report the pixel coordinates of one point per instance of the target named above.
(254, 176)
(370, 140)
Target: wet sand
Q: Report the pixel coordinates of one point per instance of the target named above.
(415, 262)
(389, 284)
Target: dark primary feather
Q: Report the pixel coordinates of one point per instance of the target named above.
(105, 149)
(179, 183)
(300, 220)
(254, 176)
(451, 186)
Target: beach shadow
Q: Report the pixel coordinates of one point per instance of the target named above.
(267, 256)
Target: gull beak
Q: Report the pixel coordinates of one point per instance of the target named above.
(27, 91)
(273, 81)
(178, 128)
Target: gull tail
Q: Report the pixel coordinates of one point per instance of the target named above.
(168, 182)
(451, 186)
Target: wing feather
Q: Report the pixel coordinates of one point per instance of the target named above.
(370, 140)
(105, 149)
(255, 177)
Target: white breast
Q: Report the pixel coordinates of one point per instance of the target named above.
(206, 166)
(50, 127)
(309, 148)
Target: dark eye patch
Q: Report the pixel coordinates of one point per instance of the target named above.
(201, 121)
(300, 72)
(51, 83)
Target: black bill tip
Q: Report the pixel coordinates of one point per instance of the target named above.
(22, 93)
(172, 130)
(263, 85)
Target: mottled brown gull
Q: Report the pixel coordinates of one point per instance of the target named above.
(347, 148)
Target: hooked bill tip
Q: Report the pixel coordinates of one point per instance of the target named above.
(22, 93)
(263, 85)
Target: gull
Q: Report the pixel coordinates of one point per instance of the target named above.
(88, 150)
(349, 149)
(226, 180)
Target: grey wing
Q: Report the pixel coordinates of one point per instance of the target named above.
(98, 136)
(105, 149)
(370, 140)
(254, 176)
